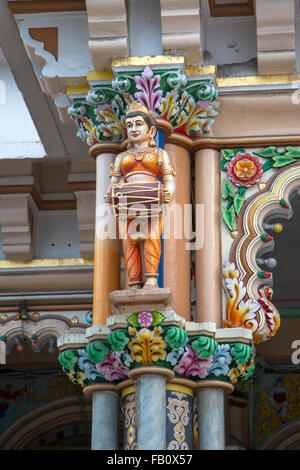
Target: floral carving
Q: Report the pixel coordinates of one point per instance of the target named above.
(147, 346)
(189, 105)
(112, 368)
(245, 170)
(261, 316)
(195, 357)
(150, 95)
(190, 364)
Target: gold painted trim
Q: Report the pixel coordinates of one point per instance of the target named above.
(46, 263)
(128, 390)
(100, 75)
(78, 89)
(147, 60)
(180, 388)
(201, 70)
(257, 80)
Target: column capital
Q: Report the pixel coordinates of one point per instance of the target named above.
(183, 99)
(160, 343)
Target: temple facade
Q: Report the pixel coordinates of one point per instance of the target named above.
(201, 352)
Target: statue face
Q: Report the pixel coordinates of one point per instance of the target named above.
(138, 131)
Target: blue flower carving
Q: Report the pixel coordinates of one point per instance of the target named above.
(221, 360)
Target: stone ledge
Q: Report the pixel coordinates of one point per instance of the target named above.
(71, 341)
(97, 332)
(196, 329)
(233, 334)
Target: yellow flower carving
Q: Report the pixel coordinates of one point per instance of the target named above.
(233, 375)
(147, 346)
(245, 169)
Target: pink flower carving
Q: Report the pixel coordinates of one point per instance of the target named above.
(245, 170)
(145, 319)
(112, 367)
(191, 364)
(148, 96)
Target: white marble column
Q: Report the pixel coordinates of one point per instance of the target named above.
(210, 405)
(105, 420)
(151, 406)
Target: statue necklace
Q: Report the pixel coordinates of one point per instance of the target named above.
(140, 154)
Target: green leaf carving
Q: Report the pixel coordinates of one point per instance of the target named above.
(176, 337)
(238, 202)
(132, 320)
(241, 352)
(282, 161)
(227, 189)
(96, 351)
(228, 216)
(267, 152)
(204, 346)
(292, 152)
(227, 154)
(236, 151)
(158, 318)
(68, 359)
(118, 340)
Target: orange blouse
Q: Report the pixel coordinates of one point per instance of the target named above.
(140, 162)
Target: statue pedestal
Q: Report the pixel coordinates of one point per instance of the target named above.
(133, 300)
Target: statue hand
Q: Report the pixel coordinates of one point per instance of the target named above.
(167, 195)
(106, 198)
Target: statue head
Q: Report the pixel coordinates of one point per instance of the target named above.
(140, 124)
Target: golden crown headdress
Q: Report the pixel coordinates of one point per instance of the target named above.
(137, 106)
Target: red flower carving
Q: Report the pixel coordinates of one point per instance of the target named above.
(245, 170)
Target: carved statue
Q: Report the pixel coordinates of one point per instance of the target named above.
(137, 196)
